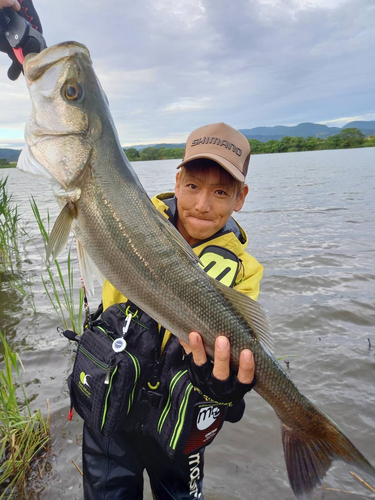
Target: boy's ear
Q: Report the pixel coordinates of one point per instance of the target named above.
(176, 188)
(241, 198)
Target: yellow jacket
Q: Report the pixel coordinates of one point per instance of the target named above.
(248, 277)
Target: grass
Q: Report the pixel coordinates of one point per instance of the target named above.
(59, 286)
(24, 435)
(59, 290)
(9, 234)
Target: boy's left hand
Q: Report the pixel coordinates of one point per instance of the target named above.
(221, 369)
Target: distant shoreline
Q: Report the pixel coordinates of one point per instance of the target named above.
(253, 153)
(350, 138)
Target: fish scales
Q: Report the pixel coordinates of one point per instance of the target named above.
(153, 268)
(75, 144)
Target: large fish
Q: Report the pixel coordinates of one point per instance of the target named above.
(72, 140)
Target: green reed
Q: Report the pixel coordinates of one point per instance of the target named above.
(11, 236)
(24, 435)
(9, 231)
(60, 290)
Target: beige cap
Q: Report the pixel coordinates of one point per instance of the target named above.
(221, 143)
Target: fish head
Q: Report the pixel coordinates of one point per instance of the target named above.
(65, 119)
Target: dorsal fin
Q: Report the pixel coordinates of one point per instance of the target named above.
(253, 314)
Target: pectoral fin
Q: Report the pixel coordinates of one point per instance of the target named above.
(60, 231)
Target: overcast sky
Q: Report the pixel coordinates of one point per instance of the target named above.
(170, 66)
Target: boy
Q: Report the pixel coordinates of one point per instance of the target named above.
(209, 187)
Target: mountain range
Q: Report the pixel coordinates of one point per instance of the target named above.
(304, 130)
(262, 134)
(9, 154)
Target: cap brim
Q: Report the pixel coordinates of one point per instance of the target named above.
(227, 165)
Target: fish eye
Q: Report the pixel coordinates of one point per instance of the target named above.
(73, 91)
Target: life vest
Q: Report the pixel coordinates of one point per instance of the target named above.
(145, 384)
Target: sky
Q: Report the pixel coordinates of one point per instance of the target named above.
(170, 66)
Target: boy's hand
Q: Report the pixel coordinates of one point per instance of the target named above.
(27, 11)
(218, 381)
(10, 3)
(221, 358)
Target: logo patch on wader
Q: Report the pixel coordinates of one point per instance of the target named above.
(208, 420)
(195, 475)
(83, 384)
(207, 416)
(220, 263)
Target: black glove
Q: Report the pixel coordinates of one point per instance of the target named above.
(29, 13)
(222, 391)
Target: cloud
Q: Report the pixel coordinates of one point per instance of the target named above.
(340, 122)
(169, 67)
(186, 104)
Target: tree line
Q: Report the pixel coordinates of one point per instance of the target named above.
(347, 138)
(153, 153)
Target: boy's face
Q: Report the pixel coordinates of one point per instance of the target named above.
(205, 203)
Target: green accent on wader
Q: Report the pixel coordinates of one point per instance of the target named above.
(95, 360)
(167, 407)
(133, 317)
(153, 387)
(137, 370)
(104, 331)
(137, 374)
(181, 417)
(129, 311)
(106, 398)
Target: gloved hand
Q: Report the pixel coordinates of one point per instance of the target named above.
(28, 12)
(217, 380)
(223, 391)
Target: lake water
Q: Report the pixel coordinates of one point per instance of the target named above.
(310, 218)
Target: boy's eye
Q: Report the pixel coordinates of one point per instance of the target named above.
(192, 186)
(220, 192)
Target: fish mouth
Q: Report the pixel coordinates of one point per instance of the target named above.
(35, 65)
(35, 133)
(34, 138)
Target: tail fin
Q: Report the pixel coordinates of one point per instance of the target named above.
(309, 457)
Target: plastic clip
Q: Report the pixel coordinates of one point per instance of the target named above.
(125, 328)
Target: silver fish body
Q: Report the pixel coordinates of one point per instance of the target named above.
(75, 143)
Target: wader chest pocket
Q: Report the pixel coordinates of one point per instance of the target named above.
(103, 383)
(171, 421)
(185, 422)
